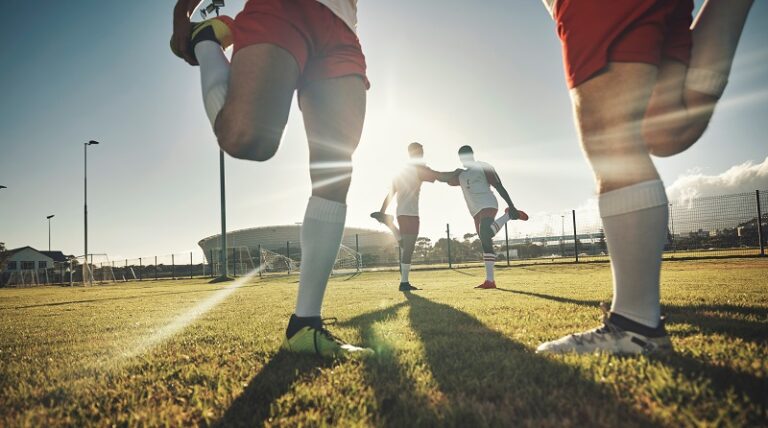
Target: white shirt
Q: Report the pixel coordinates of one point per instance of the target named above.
(408, 187)
(475, 182)
(346, 10)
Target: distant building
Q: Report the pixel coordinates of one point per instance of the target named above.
(28, 258)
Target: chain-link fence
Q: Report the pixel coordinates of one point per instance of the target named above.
(719, 226)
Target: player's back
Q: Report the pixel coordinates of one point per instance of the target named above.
(475, 182)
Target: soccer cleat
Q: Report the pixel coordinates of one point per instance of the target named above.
(612, 339)
(217, 30)
(521, 215)
(406, 286)
(487, 285)
(319, 341)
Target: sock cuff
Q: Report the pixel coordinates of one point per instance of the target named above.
(706, 81)
(325, 210)
(636, 197)
(489, 257)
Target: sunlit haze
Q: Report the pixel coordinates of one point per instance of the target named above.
(443, 73)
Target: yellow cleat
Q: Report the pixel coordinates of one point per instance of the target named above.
(310, 340)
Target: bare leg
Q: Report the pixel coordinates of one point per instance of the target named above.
(334, 110)
(262, 81)
(684, 98)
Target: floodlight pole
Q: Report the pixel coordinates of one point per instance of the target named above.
(49, 230)
(85, 205)
(224, 276)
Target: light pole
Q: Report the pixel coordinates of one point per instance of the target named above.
(49, 230)
(223, 262)
(85, 204)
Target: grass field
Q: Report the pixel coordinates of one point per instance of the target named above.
(187, 352)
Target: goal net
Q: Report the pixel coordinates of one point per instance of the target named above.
(274, 262)
(347, 261)
(96, 269)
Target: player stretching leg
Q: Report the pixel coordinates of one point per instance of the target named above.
(283, 46)
(407, 187)
(639, 89)
(476, 181)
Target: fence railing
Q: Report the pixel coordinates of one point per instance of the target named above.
(716, 226)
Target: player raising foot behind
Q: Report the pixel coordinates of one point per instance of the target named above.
(642, 82)
(281, 47)
(476, 181)
(407, 187)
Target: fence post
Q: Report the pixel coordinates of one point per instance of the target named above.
(190, 265)
(357, 243)
(260, 264)
(448, 234)
(155, 268)
(760, 224)
(173, 266)
(288, 249)
(575, 239)
(141, 270)
(234, 261)
(506, 240)
(70, 274)
(210, 260)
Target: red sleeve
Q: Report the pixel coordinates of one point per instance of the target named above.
(491, 176)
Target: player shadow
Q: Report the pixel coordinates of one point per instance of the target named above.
(704, 318)
(252, 407)
(474, 386)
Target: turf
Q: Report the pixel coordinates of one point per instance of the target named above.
(148, 353)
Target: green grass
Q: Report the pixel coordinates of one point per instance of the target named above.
(447, 355)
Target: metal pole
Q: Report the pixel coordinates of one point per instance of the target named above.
(85, 209)
(760, 224)
(210, 260)
(448, 234)
(173, 266)
(141, 271)
(224, 262)
(260, 264)
(288, 249)
(190, 265)
(506, 239)
(562, 236)
(49, 234)
(357, 243)
(155, 268)
(672, 220)
(575, 240)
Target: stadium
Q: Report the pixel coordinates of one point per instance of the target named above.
(283, 240)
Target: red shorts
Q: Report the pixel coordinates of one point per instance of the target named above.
(595, 32)
(484, 213)
(322, 44)
(409, 224)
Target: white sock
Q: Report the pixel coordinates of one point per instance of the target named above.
(405, 269)
(214, 76)
(490, 261)
(499, 223)
(635, 223)
(321, 235)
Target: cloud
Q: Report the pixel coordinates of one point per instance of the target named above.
(745, 177)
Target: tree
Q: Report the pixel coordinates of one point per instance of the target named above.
(3, 256)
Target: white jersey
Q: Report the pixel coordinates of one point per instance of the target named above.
(346, 10)
(475, 182)
(550, 5)
(408, 187)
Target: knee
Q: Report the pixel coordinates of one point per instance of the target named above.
(486, 235)
(249, 143)
(669, 142)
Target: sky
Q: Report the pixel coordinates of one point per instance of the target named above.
(444, 73)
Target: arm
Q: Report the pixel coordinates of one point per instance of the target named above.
(495, 181)
(182, 28)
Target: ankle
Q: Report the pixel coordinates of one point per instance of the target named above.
(297, 323)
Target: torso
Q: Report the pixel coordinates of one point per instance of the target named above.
(476, 188)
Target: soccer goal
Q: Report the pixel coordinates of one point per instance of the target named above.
(272, 262)
(96, 269)
(347, 261)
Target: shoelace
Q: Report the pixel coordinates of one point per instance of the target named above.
(324, 331)
(600, 332)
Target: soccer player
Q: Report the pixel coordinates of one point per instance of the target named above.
(643, 81)
(282, 47)
(407, 187)
(476, 181)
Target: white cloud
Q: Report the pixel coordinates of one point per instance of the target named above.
(745, 177)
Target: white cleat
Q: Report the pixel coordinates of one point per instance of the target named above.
(611, 339)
